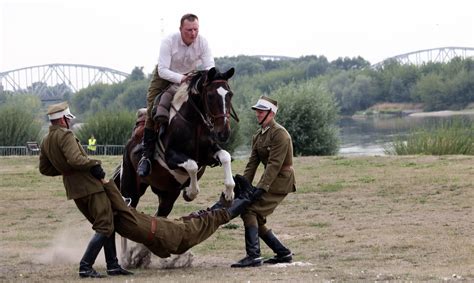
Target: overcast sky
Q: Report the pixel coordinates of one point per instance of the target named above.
(122, 34)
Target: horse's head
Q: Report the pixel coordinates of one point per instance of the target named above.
(216, 95)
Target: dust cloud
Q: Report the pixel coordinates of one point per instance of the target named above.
(69, 245)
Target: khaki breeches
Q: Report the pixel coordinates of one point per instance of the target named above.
(156, 87)
(97, 209)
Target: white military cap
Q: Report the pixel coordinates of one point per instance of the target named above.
(265, 103)
(57, 111)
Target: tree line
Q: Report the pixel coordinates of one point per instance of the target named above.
(312, 92)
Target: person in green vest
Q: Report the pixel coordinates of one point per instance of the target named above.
(92, 144)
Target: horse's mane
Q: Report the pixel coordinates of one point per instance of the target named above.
(197, 81)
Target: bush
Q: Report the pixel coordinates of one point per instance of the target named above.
(108, 127)
(18, 124)
(309, 113)
(447, 137)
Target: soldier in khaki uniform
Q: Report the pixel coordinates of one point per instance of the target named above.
(180, 53)
(271, 146)
(163, 236)
(62, 154)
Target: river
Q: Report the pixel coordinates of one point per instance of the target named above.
(370, 136)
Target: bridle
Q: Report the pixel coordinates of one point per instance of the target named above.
(207, 117)
(231, 113)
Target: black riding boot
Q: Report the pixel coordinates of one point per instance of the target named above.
(88, 259)
(252, 247)
(149, 140)
(237, 207)
(234, 208)
(243, 190)
(110, 251)
(283, 254)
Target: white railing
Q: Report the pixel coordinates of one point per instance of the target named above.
(24, 150)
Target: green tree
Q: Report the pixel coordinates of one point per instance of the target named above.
(108, 127)
(137, 74)
(309, 112)
(18, 122)
(133, 96)
(431, 90)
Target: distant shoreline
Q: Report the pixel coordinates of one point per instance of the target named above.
(445, 113)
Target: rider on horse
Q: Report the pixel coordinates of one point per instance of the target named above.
(180, 53)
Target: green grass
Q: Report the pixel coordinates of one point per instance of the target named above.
(444, 138)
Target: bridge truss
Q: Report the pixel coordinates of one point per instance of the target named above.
(71, 77)
(435, 55)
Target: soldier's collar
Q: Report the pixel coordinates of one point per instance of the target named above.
(264, 129)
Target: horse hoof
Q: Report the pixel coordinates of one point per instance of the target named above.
(184, 260)
(229, 197)
(186, 198)
(137, 256)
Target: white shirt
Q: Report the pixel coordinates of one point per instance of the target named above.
(176, 58)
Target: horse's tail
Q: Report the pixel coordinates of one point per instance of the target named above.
(117, 175)
(130, 186)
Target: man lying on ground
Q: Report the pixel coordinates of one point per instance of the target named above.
(163, 236)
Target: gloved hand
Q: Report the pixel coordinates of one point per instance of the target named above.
(97, 172)
(257, 195)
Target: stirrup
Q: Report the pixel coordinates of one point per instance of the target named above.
(143, 172)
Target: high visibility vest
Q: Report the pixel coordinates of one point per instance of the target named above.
(91, 145)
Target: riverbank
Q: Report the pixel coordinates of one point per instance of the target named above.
(445, 113)
(409, 109)
(370, 135)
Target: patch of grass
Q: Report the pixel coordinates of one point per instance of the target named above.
(305, 189)
(331, 188)
(446, 137)
(231, 226)
(320, 225)
(61, 194)
(366, 179)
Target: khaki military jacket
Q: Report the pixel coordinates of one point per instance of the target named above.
(62, 154)
(273, 148)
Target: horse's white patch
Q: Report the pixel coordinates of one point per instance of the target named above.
(180, 177)
(222, 92)
(189, 165)
(179, 99)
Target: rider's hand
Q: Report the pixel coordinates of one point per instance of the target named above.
(185, 78)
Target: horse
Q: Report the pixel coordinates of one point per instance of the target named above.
(199, 122)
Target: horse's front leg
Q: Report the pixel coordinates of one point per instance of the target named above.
(192, 168)
(225, 159)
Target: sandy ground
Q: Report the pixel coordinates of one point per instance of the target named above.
(363, 219)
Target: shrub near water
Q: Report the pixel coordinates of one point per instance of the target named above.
(446, 137)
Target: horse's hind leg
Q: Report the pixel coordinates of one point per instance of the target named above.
(225, 159)
(166, 201)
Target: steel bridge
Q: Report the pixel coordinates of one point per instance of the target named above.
(72, 77)
(435, 55)
(52, 81)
